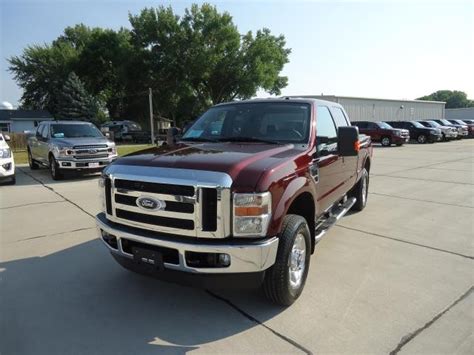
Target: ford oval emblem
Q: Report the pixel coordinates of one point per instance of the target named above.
(150, 204)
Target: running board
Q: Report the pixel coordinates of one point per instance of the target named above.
(335, 216)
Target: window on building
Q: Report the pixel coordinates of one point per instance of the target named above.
(4, 127)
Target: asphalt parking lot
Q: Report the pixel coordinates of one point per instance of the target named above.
(397, 277)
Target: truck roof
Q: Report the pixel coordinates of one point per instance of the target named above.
(68, 122)
(283, 99)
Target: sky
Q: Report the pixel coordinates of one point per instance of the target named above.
(383, 49)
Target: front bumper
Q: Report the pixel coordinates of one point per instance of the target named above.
(435, 137)
(248, 256)
(76, 164)
(400, 139)
(7, 167)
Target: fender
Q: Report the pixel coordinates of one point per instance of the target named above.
(292, 191)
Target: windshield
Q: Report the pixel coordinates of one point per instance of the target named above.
(434, 124)
(446, 122)
(384, 125)
(417, 124)
(79, 130)
(253, 122)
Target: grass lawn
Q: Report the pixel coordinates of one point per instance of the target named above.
(21, 156)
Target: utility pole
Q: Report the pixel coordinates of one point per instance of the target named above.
(152, 126)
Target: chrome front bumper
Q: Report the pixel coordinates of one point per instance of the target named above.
(84, 164)
(245, 257)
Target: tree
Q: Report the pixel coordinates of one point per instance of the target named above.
(453, 99)
(74, 102)
(190, 62)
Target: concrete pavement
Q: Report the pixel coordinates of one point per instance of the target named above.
(396, 277)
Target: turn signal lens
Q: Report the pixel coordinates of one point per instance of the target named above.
(357, 146)
(251, 211)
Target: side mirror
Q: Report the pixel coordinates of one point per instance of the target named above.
(348, 141)
(7, 137)
(172, 135)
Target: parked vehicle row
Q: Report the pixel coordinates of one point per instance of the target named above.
(69, 146)
(421, 131)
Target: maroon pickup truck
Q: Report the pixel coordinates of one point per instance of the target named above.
(383, 133)
(241, 199)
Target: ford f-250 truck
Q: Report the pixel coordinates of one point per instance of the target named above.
(241, 199)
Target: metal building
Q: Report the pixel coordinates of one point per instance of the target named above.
(369, 109)
(460, 113)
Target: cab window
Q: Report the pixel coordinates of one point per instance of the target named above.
(326, 134)
(339, 117)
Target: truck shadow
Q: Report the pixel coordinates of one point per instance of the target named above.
(27, 177)
(79, 300)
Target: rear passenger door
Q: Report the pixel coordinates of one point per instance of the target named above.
(349, 164)
(373, 131)
(43, 148)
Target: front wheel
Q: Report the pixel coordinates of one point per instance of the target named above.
(285, 280)
(31, 162)
(54, 169)
(421, 139)
(361, 191)
(386, 141)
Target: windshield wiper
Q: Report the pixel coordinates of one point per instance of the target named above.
(197, 139)
(246, 139)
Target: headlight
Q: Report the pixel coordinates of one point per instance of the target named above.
(252, 214)
(5, 153)
(64, 151)
(398, 133)
(112, 150)
(433, 131)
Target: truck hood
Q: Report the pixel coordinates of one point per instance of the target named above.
(71, 142)
(244, 162)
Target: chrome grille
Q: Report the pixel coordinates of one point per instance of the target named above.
(197, 203)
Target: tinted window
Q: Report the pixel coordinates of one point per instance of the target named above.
(339, 117)
(384, 125)
(325, 124)
(276, 122)
(372, 125)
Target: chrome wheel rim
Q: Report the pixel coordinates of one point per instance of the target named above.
(385, 141)
(364, 189)
(421, 139)
(297, 262)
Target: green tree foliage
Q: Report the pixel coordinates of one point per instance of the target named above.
(190, 62)
(453, 99)
(74, 102)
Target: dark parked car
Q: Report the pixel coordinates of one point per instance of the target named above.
(383, 133)
(418, 132)
(127, 131)
(470, 126)
(447, 132)
(462, 129)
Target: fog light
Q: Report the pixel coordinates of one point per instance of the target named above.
(224, 260)
(110, 239)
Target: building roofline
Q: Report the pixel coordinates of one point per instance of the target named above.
(366, 98)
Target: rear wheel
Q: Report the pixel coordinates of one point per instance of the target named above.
(54, 169)
(31, 162)
(421, 139)
(285, 280)
(386, 141)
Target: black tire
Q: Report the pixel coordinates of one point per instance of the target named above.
(54, 169)
(12, 181)
(386, 141)
(361, 191)
(31, 162)
(421, 139)
(277, 284)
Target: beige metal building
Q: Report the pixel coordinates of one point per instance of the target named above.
(370, 109)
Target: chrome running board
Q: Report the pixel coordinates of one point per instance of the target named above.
(336, 215)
